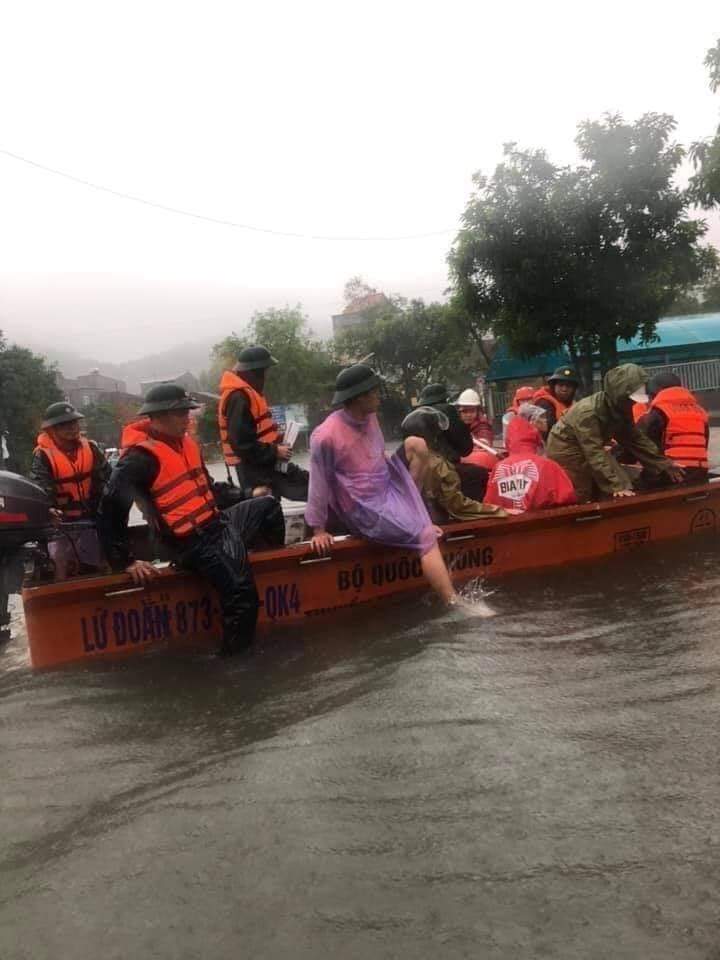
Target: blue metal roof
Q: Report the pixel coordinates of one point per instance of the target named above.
(680, 338)
(680, 332)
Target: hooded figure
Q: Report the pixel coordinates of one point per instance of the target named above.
(577, 441)
(521, 395)
(438, 479)
(525, 480)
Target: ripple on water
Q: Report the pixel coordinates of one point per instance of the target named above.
(417, 782)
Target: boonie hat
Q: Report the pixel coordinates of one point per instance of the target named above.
(255, 358)
(468, 398)
(434, 393)
(62, 412)
(354, 381)
(564, 375)
(166, 397)
(423, 421)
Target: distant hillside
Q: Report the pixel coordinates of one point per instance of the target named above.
(194, 357)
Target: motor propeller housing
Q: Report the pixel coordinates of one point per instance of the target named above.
(24, 512)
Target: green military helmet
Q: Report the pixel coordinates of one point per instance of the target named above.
(565, 375)
(433, 393)
(167, 397)
(354, 381)
(62, 412)
(255, 358)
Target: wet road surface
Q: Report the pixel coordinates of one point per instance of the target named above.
(417, 784)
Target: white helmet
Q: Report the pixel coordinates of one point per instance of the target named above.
(468, 398)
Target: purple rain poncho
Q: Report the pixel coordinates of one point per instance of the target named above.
(373, 496)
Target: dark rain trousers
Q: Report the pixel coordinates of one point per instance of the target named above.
(220, 555)
(292, 485)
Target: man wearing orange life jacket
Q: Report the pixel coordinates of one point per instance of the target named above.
(558, 395)
(250, 440)
(678, 425)
(72, 471)
(162, 467)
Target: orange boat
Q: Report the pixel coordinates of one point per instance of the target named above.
(91, 617)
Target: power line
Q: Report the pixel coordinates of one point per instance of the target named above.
(216, 220)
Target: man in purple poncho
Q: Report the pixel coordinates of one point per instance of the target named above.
(352, 479)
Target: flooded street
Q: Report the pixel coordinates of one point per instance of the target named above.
(413, 785)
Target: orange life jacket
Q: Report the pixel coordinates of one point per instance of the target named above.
(71, 477)
(639, 410)
(544, 393)
(259, 409)
(685, 433)
(180, 494)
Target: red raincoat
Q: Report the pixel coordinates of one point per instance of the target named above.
(525, 480)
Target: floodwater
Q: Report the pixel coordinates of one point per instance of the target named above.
(414, 784)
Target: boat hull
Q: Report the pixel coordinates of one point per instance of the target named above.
(92, 617)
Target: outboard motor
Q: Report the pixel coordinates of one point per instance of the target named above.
(25, 528)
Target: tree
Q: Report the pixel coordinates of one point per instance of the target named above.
(357, 288)
(27, 386)
(104, 420)
(412, 343)
(705, 154)
(306, 368)
(569, 258)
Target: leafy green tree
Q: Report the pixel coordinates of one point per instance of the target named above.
(306, 368)
(104, 421)
(27, 386)
(412, 343)
(576, 258)
(356, 289)
(705, 154)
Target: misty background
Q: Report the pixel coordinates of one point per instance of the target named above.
(360, 123)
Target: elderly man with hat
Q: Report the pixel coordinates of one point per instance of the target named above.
(354, 483)
(72, 470)
(579, 440)
(161, 467)
(250, 440)
(558, 394)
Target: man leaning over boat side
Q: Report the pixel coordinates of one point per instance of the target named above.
(353, 481)
(457, 441)
(72, 471)
(161, 466)
(250, 439)
(578, 441)
(439, 482)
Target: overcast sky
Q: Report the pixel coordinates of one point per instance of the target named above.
(319, 118)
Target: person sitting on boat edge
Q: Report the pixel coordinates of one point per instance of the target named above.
(521, 395)
(526, 480)
(457, 441)
(250, 439)
(558, 394)
(438, 479)
(162, 467)
(578, 441)
(678, 425)
(352, 480)
(72, 471)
